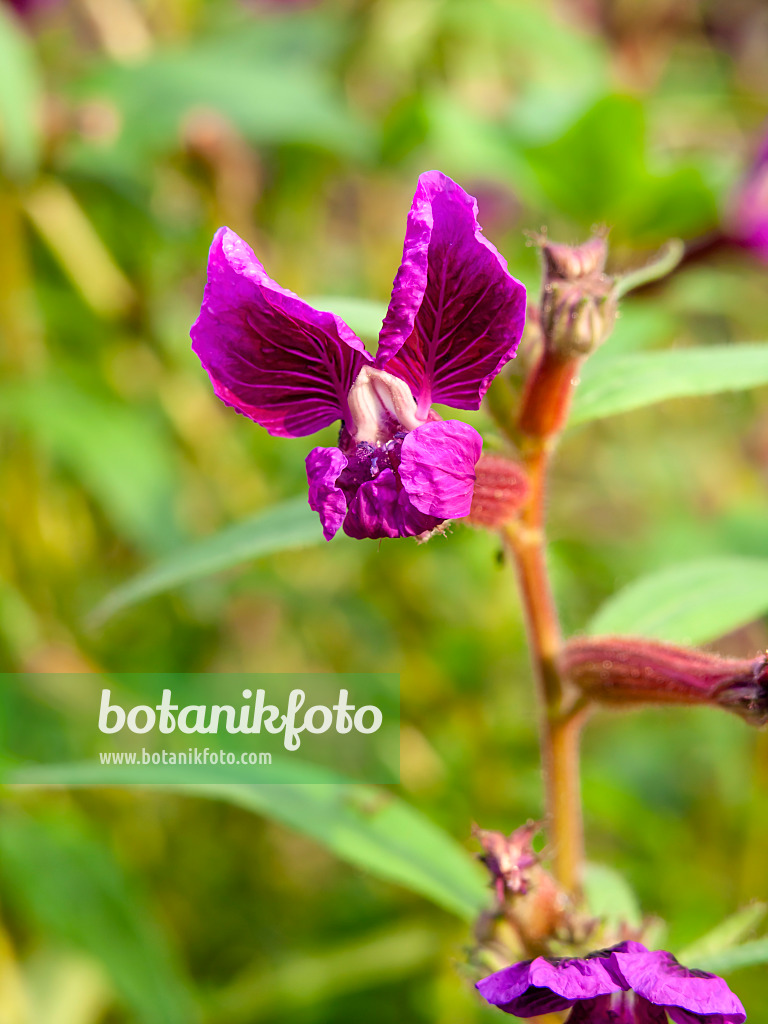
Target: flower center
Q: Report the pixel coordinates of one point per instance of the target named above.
(381, 405)
(365, 461)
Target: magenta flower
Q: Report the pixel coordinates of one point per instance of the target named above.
(27, 8)
(454, 319)
(748, 218)
(625, 984)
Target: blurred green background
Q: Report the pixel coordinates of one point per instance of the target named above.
(131, 129)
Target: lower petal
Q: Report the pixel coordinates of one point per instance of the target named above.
(374, 510)
(327, 499)
(381, 508)
(437, 467)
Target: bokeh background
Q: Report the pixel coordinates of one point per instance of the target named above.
(131, 129)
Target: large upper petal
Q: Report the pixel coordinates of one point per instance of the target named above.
(437, 467)
(271, 356)
(456, 314)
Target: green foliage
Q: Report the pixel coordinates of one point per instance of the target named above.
(74, 888)
(375, 831)
(598, 171)
(609, 896)
(20, 98)
(283, 527)
(692, 603)
(750, 954)
(118, 453)
(726, 936)
(622, 383)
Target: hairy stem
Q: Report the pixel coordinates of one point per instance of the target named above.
(559, 729)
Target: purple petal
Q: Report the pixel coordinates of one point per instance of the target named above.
(747, 220)
(373, 510)
(272, 357)
(380, 508)
(327, 499)
(627, 1009)
(540, 986)
(658, 977)
(456, 314)
(437, 467)
(29, 7)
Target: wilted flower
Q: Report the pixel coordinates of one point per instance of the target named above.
(623, 670)
(748, 217)
(509, 858)
(454, 319)
(626, 984)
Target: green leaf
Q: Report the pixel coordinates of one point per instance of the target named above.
(609, 895)
(283, 527)
(270, 81)
(747, 955)
(691, 603)
(68, 881)
(631, 381)
(368, 827)
(602, 169)
(726, 934)
(20, 97)
(377, 832)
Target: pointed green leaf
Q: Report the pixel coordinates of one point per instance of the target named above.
(614, 385)
(377, 832)
(726, 934)
(747, 955)
(365, 826)
(283, 527)
(690, 603)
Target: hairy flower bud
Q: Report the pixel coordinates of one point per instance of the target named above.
(619, 670)
(501, 487)
(578, 305)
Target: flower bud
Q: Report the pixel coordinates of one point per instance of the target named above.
(617, 670)
(578, 305)
(501, 488)
(577, 313)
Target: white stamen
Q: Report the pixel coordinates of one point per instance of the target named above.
(380, 404)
